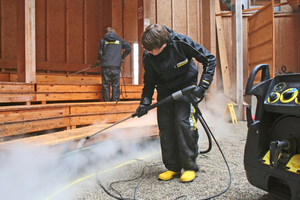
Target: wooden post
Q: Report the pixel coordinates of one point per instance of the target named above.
(237, 53)
(209, 32)
(142, 7)
(21, 40)
(30, 42)
(222, 51)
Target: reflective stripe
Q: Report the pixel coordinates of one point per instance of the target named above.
(115, 42)
(182, 63)
(193, 123)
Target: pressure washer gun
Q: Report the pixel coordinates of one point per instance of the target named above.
(174, 96)
(95, 65)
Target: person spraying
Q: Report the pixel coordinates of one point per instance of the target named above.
(169, 67)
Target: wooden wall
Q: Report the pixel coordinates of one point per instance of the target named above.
(125, 22)
(68, 32)
(287, 40)
(180, 15)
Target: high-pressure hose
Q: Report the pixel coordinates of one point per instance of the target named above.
(176, 95)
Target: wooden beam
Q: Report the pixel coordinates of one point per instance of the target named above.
(141, 17)
(30, 42)
(21, 40)
(222, 52)
(237, 51)
(209, 32)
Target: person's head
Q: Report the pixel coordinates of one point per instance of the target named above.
(109, 30)
(155, 38)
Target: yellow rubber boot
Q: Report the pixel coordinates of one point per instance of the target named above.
(188, 176)
(167, 175)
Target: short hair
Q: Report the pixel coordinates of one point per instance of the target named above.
(155, 36)
(109, 30)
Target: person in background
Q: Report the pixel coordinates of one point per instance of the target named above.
(110, 58)
(169, 67)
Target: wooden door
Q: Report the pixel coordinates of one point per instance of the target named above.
(261, 39)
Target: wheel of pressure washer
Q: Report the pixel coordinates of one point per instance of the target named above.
(285, 128)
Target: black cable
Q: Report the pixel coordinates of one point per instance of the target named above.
(214, 196)
(136, 188)
(208, 133)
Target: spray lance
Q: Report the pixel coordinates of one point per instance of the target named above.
(95, 65)
(186, 91)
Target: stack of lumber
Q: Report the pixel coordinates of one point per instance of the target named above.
(64, 141)
(48, 113)
(44, 92)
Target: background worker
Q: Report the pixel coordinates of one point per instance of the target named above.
(110, 58)
(169, 67)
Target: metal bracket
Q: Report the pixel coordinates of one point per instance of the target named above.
(233, 8)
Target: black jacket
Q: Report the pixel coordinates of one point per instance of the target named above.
(174, 68)
(110, 50)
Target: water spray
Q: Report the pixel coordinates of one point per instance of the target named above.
(174, 96)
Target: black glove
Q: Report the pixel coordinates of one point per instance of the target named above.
(142, 110)
(199, 92)
(96, 65)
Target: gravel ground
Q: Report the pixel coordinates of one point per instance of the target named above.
(212, 178)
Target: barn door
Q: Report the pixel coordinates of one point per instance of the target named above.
(261, 39)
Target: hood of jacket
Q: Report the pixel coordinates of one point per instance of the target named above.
(111, 37)
(172, 33)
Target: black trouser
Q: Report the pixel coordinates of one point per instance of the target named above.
(110, 78)
(178, 134)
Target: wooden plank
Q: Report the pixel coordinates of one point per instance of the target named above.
(56, 31)
(21, 40)
(32, 126)
(130, 95)
(93, 32)
(41, 28)
(125, 131)
(76, 79)
(68, 87)
(74, 32)
(261, 39)
(6, 98)
(83, 88)
(209, 32)
(108, 107)
(35, 113)
(16, 88)
(98, 119)
(9, 30)
(4, 77)
(287, 44)
(64, 96)
(180, 17)
(164, 13)
(222, 52)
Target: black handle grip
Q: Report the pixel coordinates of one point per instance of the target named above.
(265, 76)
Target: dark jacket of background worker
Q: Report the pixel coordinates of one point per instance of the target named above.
(110, 57)
(169, 67)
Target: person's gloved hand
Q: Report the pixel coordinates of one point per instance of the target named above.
(199, 92)
(142, 110)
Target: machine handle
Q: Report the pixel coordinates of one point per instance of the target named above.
(276, 148)
(265, 76)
